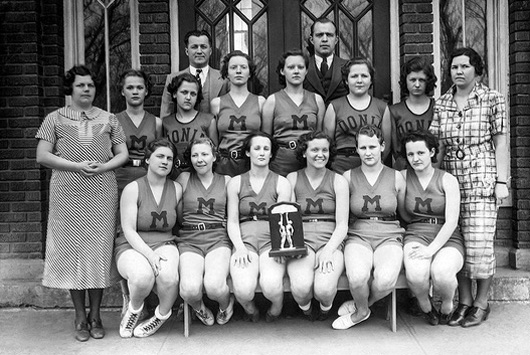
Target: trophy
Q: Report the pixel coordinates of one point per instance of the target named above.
(287, 232)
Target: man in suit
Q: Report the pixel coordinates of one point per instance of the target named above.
(324, 76)
(198, 47)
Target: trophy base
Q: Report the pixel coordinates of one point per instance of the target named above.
(288, 252)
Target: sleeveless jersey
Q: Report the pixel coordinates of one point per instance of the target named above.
(379, 200)
(137, 138)
(235, 123)
(349, 120)
(253, 204)
(428, 203)
(319, 202)
(201, 205)
(292, 121)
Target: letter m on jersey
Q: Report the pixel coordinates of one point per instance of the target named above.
(209, 204)
(260, 209)
(372, 201)
(138, 142)
(241, 121)
(297, 121)
(157, 218)
(311, 206)
(425, 204)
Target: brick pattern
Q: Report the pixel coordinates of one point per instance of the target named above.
(520, 120)
(416, 28)
(31, 68)
(155, 47)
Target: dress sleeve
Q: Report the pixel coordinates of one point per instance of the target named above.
(434, 128)
(117, 135)
(498, 119)
(47, 129)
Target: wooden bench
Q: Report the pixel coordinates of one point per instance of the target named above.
(342, 286)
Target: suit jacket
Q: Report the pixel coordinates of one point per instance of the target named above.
(337, 88)
(213, 86)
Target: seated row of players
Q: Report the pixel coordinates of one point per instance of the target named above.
(368, 243)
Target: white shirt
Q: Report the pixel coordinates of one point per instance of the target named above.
(202, 75)
(319, 60)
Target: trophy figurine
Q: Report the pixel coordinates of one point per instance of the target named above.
(287, 234)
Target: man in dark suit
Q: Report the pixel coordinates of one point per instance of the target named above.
(198, 46)
(324, 76)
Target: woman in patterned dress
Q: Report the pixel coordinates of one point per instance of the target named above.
(146, 253)
(291, 112)
(83, 145)
(470, 123)
(237, 113)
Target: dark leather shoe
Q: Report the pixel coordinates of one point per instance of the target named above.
(432, 317)
(269, 317)
(82, 332)
(96, 329)
(476, 316)
(445, 318)
(459, 315)
(322, 315)
(309, 314)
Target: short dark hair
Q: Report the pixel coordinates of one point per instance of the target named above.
(322, 20)
(177, 81)
(196, 33)
(306, 138)
(69, 77)
(420, 135)
(416, 64)
(204, 140)
(140, 74)
(370, 130)
(283, 58)
(474, 59)
(154, 145)
(248, 142)
(237, 53)
(345, 69)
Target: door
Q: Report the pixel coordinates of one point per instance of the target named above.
(266, 28)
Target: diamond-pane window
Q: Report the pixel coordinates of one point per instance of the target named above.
(355, 7)
(211, 9)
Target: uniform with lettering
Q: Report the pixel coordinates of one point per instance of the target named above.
(424, 204)
(378, 200)
(403, 121)
(154, 221)
(180, 134)
(348, 121)
(206, 206)
(318, 208)
(290, 122)
(137, 139)
(253, 211)
(234, 124)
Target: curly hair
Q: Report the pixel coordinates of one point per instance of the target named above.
(370, 130)
(283, 58)
(308, 137)
(140, 74)
(203, 140)
(154, 145)
(421, 135)
(69, 77)
(416, 64)
(247, 143)
(345, 69)
(474, 59)
(177, 81)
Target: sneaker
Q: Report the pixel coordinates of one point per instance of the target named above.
(128, 322)
(148, 327)
(205, 316)
(125, 305)
(345, 321)
(347, 307)
(224, 315)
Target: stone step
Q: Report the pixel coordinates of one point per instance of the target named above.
(20, 285)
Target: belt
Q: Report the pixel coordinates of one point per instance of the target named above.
(385, 218)
(202, 226)
(347, 151)
(324, 219)
(291, 144)
(234, 154)
(254, 218)
(134, 162)
(431, 220)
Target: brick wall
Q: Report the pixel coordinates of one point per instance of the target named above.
(416, 28)
(155, 47)
(520, 120)
(31, 67)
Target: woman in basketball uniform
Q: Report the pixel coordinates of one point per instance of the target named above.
(373, 253)
(203, 243)
(291, 112)
(237, 113)
(323, 197)
(249, 196)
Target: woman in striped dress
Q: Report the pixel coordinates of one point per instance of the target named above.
(83, 145)
(470, 123)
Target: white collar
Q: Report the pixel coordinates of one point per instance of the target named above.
(319, 60)
(204, 73)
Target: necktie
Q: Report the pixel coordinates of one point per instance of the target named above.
(198, 76)
(324, 67)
